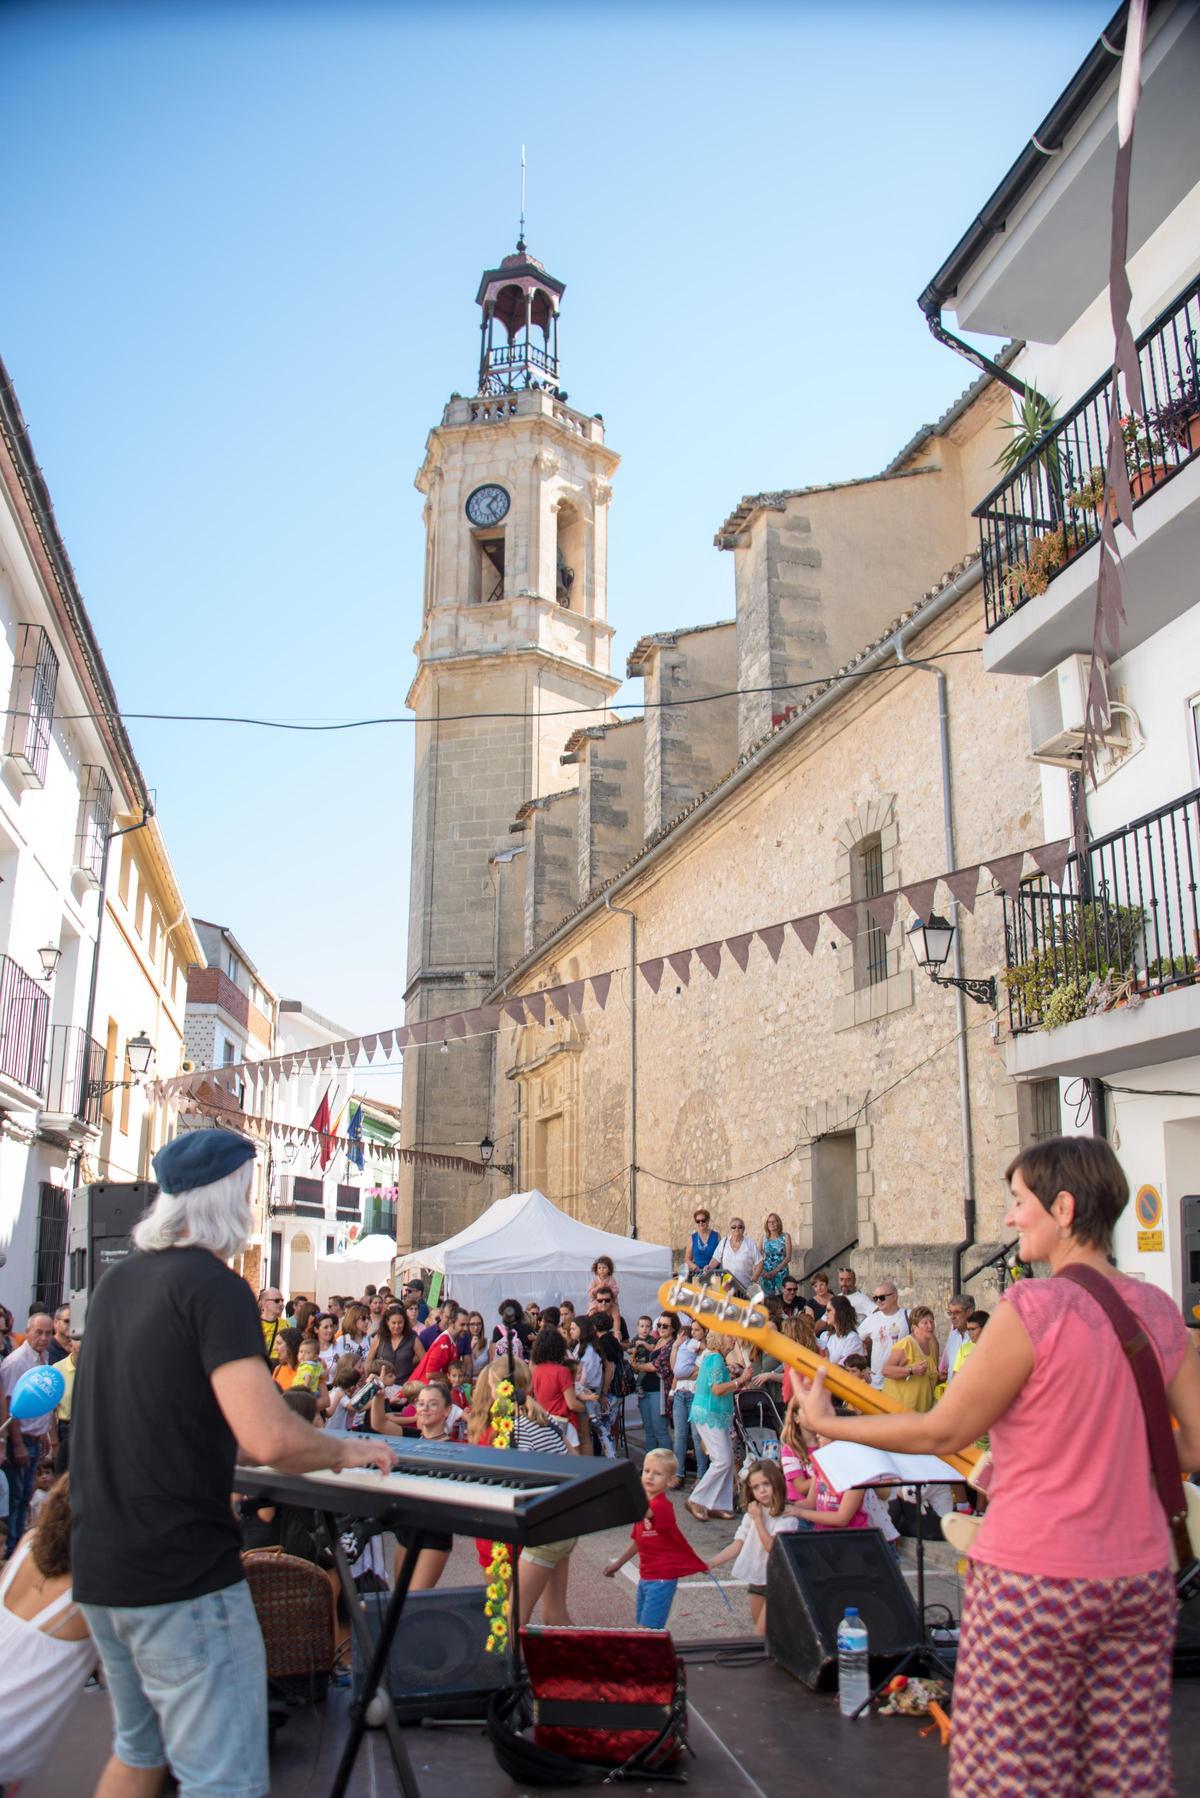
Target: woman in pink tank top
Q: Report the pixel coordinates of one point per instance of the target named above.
(1062, 1685)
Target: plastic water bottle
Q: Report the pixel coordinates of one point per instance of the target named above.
(854, 1679)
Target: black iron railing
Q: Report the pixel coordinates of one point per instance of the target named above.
(518, 355)
(74, 1074)
(24, 1016)
(1049, 509)
(1125, 923)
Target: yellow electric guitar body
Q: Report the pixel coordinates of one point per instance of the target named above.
(752, 1322)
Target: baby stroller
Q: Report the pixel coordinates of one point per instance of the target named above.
(757, 1421)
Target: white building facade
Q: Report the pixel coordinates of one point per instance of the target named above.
(68, 781)
(1106, 997)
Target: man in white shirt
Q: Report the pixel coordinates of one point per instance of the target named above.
(884, 1327)
(34, 1437)
(737, 1253)
(958, 1310)
(848, 1287)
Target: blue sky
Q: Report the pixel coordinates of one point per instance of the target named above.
(241, 248)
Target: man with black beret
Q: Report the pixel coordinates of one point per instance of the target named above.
(171, 1382)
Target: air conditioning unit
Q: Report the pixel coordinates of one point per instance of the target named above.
(1057, 709)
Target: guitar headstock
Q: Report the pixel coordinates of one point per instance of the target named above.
(710, 1301)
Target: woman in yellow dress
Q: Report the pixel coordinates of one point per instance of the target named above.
(910, 1372)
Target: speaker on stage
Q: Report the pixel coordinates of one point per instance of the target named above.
(439, 1666)
(812, 1575)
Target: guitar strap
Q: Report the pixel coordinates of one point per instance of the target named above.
(1143, 1364)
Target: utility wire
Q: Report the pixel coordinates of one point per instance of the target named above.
(588, 711)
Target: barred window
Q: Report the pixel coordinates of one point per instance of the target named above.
(870, 949)
(31, 704)
(95, 820)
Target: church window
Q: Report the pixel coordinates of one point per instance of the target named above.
(866, 877)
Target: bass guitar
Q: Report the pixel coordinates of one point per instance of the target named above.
(751, 1322)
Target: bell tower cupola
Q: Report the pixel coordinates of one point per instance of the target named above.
(519, 327)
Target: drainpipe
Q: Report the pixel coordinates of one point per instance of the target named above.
(960, 1018)
(633, 1171)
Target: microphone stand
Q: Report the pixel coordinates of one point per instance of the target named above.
(514, 1630)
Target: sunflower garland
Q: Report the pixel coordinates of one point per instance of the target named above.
(499, 1573)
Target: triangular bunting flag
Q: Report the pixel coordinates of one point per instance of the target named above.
(456, 1025)
(772, 936)
(600, 986)
(739, 948)
(489, 1018)
(1006, 872)
(417, 1034)
(681, 965)
(883, 909)
(844, 918)
(385, 1040)
(709, 956)
(401, 1038)
(652, 972)
(535, 1005)
(807, 929)
(370, 1044)
(964, 884)
(1052, 859)
(557, 996)
(921, 896)
(515, 1009)
(574, 992)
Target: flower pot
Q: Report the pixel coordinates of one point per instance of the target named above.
(1145, 480)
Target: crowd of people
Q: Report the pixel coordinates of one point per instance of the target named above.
(731, 1429)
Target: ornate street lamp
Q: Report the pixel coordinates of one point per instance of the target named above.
(50, 956)
(930, 940)
(487, 1149)
(139, 1053)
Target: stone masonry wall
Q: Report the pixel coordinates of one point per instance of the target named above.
(739, 1075)
(691, 738)
(609, 830)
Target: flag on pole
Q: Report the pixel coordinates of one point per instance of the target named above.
(354, 1130)
(320, 1123)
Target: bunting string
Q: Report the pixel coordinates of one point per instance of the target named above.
(962, 884)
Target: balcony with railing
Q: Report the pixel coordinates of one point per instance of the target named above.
(24, 1018)
(1040, 526)
(75, 1069)
(1102, 971)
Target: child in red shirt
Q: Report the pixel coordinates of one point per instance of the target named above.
(665, 1556)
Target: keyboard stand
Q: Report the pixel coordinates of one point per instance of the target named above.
(375, 1655)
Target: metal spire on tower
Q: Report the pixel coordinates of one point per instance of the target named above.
(521, 232)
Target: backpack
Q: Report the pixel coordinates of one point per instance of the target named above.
(624, 1380)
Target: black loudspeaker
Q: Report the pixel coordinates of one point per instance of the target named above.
(812, 1575)
(101, 1233)
(439, 1666)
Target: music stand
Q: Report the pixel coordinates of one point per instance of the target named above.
(922, 1655)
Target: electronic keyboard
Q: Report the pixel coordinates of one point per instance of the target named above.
(457, 1489)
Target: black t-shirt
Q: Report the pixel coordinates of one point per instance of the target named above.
(152, 1457)
(55, 1353)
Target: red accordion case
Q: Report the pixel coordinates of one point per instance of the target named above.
(602, 1694)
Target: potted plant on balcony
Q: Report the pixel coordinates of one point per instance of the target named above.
(1177, 422)
(1086, 943)
(1093, 494)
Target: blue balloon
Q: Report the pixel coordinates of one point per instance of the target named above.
(37, 1392)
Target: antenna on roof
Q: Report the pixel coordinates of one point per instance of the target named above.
(521, 234)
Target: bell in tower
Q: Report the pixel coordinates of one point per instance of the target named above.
(519, 346)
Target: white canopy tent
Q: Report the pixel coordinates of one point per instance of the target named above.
(367, 1262)
(523, 1247)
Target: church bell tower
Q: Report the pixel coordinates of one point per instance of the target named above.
(512, 658)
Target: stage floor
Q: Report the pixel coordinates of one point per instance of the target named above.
(755, 1732)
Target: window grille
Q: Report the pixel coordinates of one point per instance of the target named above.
(31, 704)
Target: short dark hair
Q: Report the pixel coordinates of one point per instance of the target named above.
(304, 1404)
(979, 1317)
(1087, 1168)
(551, 1316)
(414, 1286)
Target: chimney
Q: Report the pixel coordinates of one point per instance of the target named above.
(689, 746)
(609, 759)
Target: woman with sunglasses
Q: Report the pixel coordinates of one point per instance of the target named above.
(703, 1245)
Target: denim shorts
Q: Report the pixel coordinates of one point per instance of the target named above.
(188, 1687)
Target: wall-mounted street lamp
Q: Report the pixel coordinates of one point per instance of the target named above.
(139, 1053)
(930, 941)
(49, 956)
(487, 1149)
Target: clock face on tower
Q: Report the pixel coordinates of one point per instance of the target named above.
(487, 505)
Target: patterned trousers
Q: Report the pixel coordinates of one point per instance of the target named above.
(1063, 1687)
